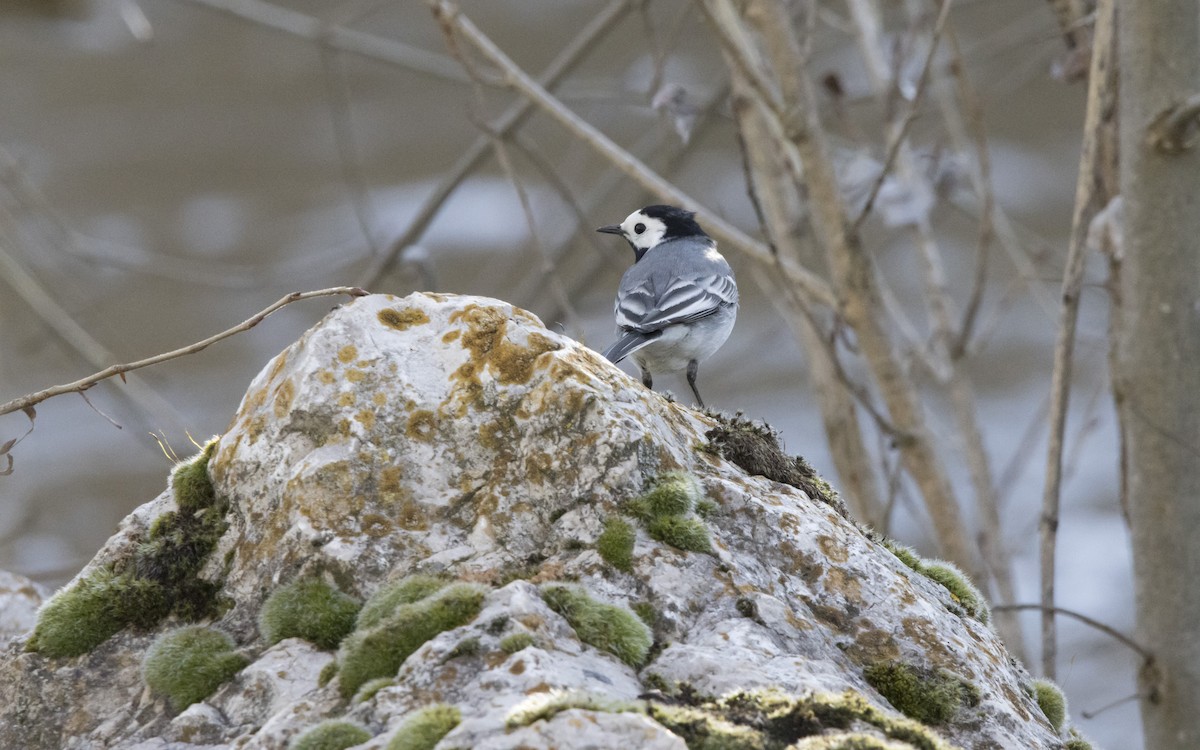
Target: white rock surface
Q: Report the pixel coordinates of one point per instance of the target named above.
(456, 435)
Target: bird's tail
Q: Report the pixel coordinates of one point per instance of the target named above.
(628, 343)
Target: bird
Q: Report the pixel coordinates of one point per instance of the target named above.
(677, 303)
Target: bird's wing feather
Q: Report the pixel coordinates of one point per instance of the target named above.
(681, 300)
(628, 343)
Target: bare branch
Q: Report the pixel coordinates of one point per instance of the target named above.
(348, 40)
(505, 124)
(1133, 645)
(1090, 198)
(81, 385)
(722, 230)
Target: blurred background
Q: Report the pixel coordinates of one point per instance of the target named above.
(168, 169)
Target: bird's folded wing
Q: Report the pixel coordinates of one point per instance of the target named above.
(647, 308)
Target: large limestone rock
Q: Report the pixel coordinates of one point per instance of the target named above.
(456, 436)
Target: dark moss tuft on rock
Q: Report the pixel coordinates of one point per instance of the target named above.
(928, 696)
(188, 664)
(424, 729)
(756, 448)
(605, 626)
(334, 734)
(615, 543)
(311, 609)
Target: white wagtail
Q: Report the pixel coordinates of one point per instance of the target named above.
(676, 304)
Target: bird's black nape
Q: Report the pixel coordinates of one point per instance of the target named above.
(679, 222)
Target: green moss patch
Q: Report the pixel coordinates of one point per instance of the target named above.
(962, 591)
(516, 642)
(768, 720)
(160, 577)
(682, 532)
(392, 595)
(379, 649)
(311, 609)
(371, 687)
(425, 728)
(334, 734)
(188, 664)
(667, 510)
(756, 448)
(615, 543)
(614, 629)
(1052, 702)
(928, 696)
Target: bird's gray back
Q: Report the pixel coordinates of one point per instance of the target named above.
(675, 282)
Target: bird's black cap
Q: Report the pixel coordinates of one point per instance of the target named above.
(680, 222)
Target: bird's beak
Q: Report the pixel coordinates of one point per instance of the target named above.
(611, 229)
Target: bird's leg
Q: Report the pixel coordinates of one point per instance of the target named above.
(647, 380)
(693, 366)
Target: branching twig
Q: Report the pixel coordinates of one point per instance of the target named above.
(812, 285)
(81, 385)
(506, 123)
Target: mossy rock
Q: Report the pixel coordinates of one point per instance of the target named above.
(395, 594)
(949, 576)
(334, 734)
(188, 664)
(674, 494)
(379, 650)
(425, 728)
(615, 543)
(605, 626)
(928, 696)
(1052, 702)
(311, 609)
(95, 608)
(758, 449)
(682, 532)
(543, 706)
(516, 642)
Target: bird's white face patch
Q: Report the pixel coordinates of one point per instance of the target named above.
(643, 231)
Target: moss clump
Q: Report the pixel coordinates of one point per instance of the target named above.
(190, 483)
(708, 730)
(666, 511)
(605, 626)
(425, 728)
(334, 734)
(466, 647)
(160, 577)
(962, 591)
(379, 650)
(1052, 702)
(100, 604)
(328, 672)
(645, 612)
(960, 587)
(516, 642)
(706, 508)
(187, 664)
(1077, 742)
(615, 543)
(674, 494)
(547, 705)
(371, 687)
(767, 719)
(392, 595)
(930, 697)
(756, 448)
(683, 532)
(311, 609)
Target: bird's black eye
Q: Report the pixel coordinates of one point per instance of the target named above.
(639, 227)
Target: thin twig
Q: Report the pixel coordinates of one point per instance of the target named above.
(348, 40)
(812, 285)
(83, 384)
(1133, 645)
(512, 118)
(1089, 200)
(900, 135)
